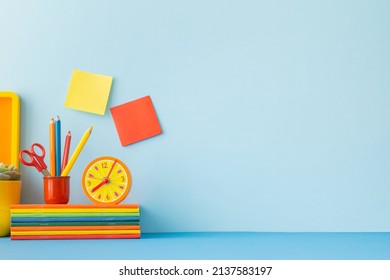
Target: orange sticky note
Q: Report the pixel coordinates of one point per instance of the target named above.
(136, 120)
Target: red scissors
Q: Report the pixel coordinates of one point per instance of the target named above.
(35, 159)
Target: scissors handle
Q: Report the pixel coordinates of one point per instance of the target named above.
(39, 157)
(35, 159)
(31, 162)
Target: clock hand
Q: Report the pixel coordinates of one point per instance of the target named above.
(112, 167)
(103, 182)
(105, 179)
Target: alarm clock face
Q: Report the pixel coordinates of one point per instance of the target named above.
(106, 180)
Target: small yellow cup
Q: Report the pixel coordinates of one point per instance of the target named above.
(9, 194)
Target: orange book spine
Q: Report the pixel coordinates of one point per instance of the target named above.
(70, 228)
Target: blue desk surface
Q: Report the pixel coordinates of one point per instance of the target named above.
(208, 246)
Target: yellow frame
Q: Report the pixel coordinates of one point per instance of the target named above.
(15, 127)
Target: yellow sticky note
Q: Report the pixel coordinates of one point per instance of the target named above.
(88, 92)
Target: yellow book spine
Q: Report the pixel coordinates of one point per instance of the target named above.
(75, 210)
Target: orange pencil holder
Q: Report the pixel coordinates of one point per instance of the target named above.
(56, 189)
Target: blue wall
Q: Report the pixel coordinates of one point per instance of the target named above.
(275, 114)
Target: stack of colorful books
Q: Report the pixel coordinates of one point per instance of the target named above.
(74, 221)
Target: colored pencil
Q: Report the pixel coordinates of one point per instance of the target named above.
(52, 147)
(57, 123)
(66, 151)
(77, 152)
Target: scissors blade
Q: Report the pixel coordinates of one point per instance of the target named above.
(46, 173)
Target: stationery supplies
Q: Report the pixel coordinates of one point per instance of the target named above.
(88, 92)
(52, 138)
(56, 189)
(66, 151)
(57, 124)
(9, 128)
(77, 221)
(136, 120)
(36, 160)
(77, 152)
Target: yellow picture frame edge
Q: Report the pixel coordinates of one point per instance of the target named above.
(15, 131)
